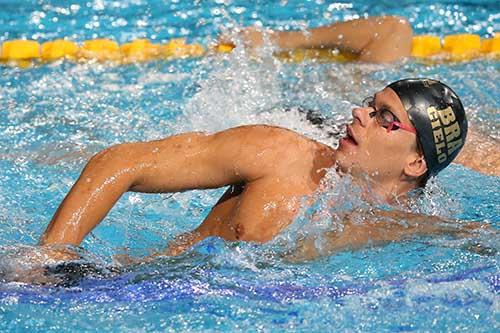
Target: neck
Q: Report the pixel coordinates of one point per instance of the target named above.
(394, 191)
(389, 191)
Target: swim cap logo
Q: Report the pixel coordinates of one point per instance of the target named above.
(428, 82)
(446, 131)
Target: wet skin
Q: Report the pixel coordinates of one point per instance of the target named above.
(372, 39)
(365, 138)
(270, 172)
(275, 166)
(269, 169)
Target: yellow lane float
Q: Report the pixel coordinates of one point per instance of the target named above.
(462, 46)
(100, 50)
(19, 52)
(177, 48)
(58, 49)
(458, 47)
(139, 50)
(425, 46)
(491, 45)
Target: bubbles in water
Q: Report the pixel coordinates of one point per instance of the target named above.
(59, 115)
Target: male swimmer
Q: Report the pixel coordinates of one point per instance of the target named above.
(399, 138)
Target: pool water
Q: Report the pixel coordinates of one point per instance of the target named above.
(54, 117)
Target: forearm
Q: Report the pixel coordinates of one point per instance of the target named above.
(382, 228)
(350, 35)
(373, 39)
(105, 178)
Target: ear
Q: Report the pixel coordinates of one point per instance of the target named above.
(415, 165)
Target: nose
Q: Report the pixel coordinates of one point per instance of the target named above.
(362, 115)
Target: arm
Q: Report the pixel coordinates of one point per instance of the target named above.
(381, 228)
(480, 153)
(375, 39)
(177, 163)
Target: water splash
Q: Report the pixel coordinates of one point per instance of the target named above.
(57, 116)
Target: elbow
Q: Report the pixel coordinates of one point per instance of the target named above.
(399, 35)
(113, 163)
(391, 42)
(396, 26)
(403, 32)
(106, 158)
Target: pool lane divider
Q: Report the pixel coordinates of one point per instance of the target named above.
(25, 53)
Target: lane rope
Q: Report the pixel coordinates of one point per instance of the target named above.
(25, 53)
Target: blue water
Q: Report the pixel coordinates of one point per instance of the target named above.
(54, 117)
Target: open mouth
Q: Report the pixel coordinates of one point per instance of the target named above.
(350, 137)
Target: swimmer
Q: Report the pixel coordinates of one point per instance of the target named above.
(399, 138)
(372, 39)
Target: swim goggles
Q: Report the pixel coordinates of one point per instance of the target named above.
(385, 117)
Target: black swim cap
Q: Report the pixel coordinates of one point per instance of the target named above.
(439, 117)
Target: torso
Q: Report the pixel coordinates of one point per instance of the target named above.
(306, 163)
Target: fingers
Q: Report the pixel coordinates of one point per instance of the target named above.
(250, 37)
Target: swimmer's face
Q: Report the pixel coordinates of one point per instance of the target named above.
(370, 149)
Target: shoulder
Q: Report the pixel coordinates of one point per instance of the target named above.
(267, 133)
(268, 150)
(280, 140)
(261, 128)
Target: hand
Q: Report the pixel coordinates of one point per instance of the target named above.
(53, 253)
(27, 264)
(46, 254)
(251, 37)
